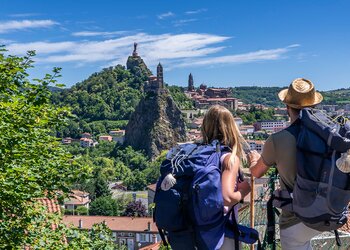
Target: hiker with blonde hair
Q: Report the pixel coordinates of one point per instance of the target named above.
(218, 124)
(198, 188)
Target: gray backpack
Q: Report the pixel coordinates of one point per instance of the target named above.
(321, 194)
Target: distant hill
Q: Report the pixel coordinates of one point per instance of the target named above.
(268, 95)
(111, 94)
(339, 96)
(106, 99)
(258, 95)
(55, 89)
(102, 102)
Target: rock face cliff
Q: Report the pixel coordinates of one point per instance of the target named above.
(156, 124)
(137, 66)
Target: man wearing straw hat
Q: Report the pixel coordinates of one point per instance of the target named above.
(280, 150)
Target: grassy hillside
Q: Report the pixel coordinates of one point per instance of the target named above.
(339, 96)
(268, 95)
(258, 95)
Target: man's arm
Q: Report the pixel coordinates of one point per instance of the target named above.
(260, 164)
(257, 165)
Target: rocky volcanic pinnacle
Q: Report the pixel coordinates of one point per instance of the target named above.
(156, 124)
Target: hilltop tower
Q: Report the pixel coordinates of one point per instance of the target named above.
(190, 83)
(160, 76)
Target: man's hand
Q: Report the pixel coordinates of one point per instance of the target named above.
(253, 157)
(256, 164)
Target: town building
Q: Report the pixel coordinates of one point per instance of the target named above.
(205, 102)
(256, 145)
(86, 135)
(194, 135)
(105, 138)
(329, 108)
(86, 142)
(151, 191)
(347, 107)
(196, 123)
(246, 129)
(205, 97)
(77, 199)
(238, 121)
(67, 140)
(273, 125)
(281, 111)
(190, 114)
(131, 232)
(217, 93)
(118, 135)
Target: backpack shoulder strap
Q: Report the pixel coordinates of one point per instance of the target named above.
(294, 128)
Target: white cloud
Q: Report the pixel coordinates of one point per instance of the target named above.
(183, 22)
(9, 26)
(166, 15)
(175, 50)
(5, 41)
(192, 12)
(24, 15)
(98, 33)
(40, 47)
(260, 55)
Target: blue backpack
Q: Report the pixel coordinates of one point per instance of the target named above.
(191, 209)
(321, 193)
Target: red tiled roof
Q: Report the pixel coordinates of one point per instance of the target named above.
(52, 205)
(152, 187)
(154, 246)
(115, 223)
(221, 99)
(77, 198)
(79, 192)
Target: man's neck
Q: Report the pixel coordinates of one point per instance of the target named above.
(293, 118)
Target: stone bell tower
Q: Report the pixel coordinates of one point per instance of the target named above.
(190, 83)
(160, 79)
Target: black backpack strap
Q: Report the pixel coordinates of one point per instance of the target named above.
(270, 221)
(337, 238)
(294, 128)
(233, 226)
(162, 236)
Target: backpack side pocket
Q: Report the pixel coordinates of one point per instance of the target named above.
(168, 213)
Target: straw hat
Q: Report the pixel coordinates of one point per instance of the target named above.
(300, 94)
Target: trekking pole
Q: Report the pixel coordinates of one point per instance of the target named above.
(270, 237)
(252, 208)
(273, 178)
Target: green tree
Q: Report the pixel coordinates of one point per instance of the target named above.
(132, 158)
(152, 172)
(106, 206)
(177, 93)
(122, 171)
(32, 162)
(136, 181)
(101, 187)
(81, 210)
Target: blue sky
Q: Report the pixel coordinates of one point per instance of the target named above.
(223, 43)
